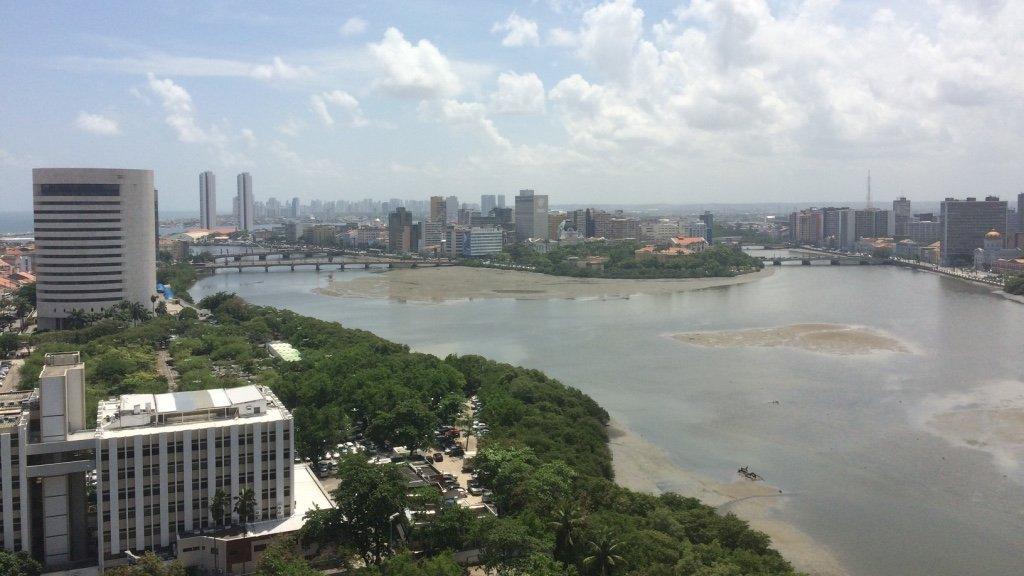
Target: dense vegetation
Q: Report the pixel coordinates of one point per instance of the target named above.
(18, 564)
(1014, 285)
(180, 276)
(746, 234)
(546, 457)
(623, 263)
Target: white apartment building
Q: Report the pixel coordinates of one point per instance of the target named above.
(157, 460)
(207, 201)
(94, 233)
(660, 232)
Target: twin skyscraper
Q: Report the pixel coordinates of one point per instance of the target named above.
(243, 202)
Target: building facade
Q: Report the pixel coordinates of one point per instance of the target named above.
(94, 240)
(207, 201)
(246, 210)
(153, 464)
(531, 216)
(481, 242)
(400, 238)
(965, 224)
(902, 214)
(487, 203)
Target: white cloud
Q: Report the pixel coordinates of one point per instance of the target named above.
(343, 102)
(97, 124)
(353, 26)
(248, 137)
(463, 114)
(413, 71)
(180, 116)
(518, 31)
(279, 70)
(562, 38)
(518, 94)
(609, 36)
(291, 127)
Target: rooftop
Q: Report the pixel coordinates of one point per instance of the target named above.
(184, 410)
(284, 351)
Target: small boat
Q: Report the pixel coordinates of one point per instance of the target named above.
(746, 473)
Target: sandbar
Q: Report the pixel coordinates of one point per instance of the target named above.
(461, 283)
(988, 418)
(835, 339)
(644, 467)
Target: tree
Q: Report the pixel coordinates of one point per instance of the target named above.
(406, 565)
(219, 504)
(505, 543)
(1014, 285)
(161, 308)
(76, 319)
(188, 313)
(567, 522)
(317, 430)
(245, 505)
(148, 565)
(410, 424)
(370, 499)
(603, 555)
(449, 529)
(18, 564)
(282, 559)
(8, 343)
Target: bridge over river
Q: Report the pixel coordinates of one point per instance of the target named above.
(316, 262)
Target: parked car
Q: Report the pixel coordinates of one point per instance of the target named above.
(476, 490)
(488, 496)
(438, 457)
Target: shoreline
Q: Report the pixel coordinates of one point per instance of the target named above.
(433, 285)
(644, 467)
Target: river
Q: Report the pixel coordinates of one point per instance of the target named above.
(871, 463)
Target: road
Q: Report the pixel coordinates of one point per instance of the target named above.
(10, 384)
(165, 370)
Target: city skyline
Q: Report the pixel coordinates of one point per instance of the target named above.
(628, 102)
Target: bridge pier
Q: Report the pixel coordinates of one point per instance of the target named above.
(776, 261)
(805, 261)
(239, 269)
(292, 267)
(366, 266)
(834, 262)
(317, 267)
(263, 257)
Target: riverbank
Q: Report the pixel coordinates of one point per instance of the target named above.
(462, 283)
(834, 339)
(643, 467)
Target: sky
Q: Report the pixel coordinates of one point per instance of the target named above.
(623, 101)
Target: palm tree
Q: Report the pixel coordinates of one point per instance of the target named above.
(22, 308)
(245, 505)
(76, 319)
(219, 506)
(603, 555)
(567, 521)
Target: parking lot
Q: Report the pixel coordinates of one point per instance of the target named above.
(10, 375)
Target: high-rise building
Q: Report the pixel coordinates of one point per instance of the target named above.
(838, 228)
(873, 223)
(902, 215)
(207, 200)
(158, 461)
(431, 235)
(500, 201)
(810, 227)
(400, 237)
(451, 209)
(531, 216)
(487, 203)
(1020, 211)
(437, 209)
(964, 225)
(246, 213)
(709, 219)
(94, 240)
(295, 207)
(923, 232)
(481, 242)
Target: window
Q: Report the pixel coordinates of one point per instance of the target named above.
(79, 189)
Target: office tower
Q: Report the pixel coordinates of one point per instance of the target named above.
(235, 211)
(431, 235)
(295, 207)
(246, 214)
(94, 240)
(709, 219)
(400, 231)
(924, 232)
(531, 216)
(504, 217)
(207, 200)
(964, 225)
(810, 227)
(437, 209)
(487, 203)
(481, 242)
(451, 209)
(501, 201)
(902, 214)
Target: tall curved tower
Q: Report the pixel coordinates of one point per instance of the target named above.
(94, 240)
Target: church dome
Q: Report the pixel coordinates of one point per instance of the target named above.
(993, 235)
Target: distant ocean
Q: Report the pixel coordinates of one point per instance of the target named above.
(20, 223)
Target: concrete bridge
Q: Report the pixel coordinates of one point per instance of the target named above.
(808, 258)
(326, 262)
(283, 254)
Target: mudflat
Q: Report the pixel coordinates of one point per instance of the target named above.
(836, 339)
(462, 283)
